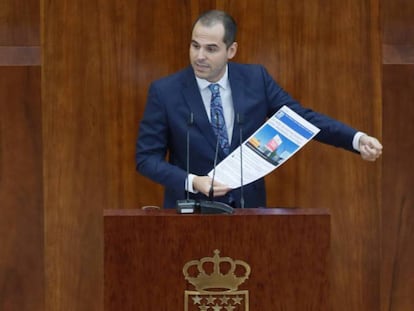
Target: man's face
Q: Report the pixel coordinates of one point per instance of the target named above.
(208, 52)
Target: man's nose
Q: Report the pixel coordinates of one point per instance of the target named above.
(200, 54)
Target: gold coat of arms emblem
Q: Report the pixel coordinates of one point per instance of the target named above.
(216, 281)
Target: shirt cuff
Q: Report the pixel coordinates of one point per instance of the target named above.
(190, 184)
(355, 141)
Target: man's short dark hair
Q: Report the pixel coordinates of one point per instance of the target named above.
(213, 17)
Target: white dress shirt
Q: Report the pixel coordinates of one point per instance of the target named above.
(226, 100)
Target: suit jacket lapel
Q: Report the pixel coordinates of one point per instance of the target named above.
(195, 103)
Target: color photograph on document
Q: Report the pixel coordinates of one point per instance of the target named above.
(271, 145)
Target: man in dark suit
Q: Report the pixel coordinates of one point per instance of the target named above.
(243, 90)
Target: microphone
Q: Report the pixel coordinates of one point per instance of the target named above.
(189, 124)
(240, 123)
(211, 206)
(187, 206)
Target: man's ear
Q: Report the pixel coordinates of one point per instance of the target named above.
(232, 50)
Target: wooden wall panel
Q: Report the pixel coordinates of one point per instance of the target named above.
(74, 134)
(397, 283)
(21, 195)
(21, 180)
(398, 25)
(398, 31)
(398, 197)
(19, 23)
(19, 56)
(99, 58)
(138, 48)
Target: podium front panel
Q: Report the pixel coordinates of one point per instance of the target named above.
(285, 249)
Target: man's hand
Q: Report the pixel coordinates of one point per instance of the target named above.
(370, 148)
(203, 184)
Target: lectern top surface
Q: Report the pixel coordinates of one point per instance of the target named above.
(237, 212)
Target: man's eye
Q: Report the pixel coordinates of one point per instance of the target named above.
(196, 46)
(211, 49)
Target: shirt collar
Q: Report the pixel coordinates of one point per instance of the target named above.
(223, 82)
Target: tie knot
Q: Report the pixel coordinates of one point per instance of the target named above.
(214, 88)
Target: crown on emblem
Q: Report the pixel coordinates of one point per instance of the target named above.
(216, 273)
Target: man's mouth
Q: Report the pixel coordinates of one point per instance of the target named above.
(201, 66)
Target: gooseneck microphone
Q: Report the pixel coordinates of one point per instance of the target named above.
(187, 205)
(211, 206)
(189, 124)
(240, 123)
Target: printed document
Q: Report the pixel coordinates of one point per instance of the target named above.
(269, 147)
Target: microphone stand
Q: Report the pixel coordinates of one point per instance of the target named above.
(187, 206)
(240, 122)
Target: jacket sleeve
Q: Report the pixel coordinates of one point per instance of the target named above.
(152, 144)
(332, 132)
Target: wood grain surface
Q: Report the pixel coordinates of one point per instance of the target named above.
(398, 198)
(21, 190)
(287, 251)
(397, 281)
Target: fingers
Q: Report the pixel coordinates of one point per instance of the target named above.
(220, 189)
(370, 148)
(374, 143)
(203, 185)
(370, 154)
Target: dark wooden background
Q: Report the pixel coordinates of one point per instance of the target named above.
(73, 82)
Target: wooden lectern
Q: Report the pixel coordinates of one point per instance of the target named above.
(286, 251)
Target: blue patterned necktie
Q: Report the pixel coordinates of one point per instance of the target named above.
(217, 118)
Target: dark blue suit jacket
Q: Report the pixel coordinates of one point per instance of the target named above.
(162, 132)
